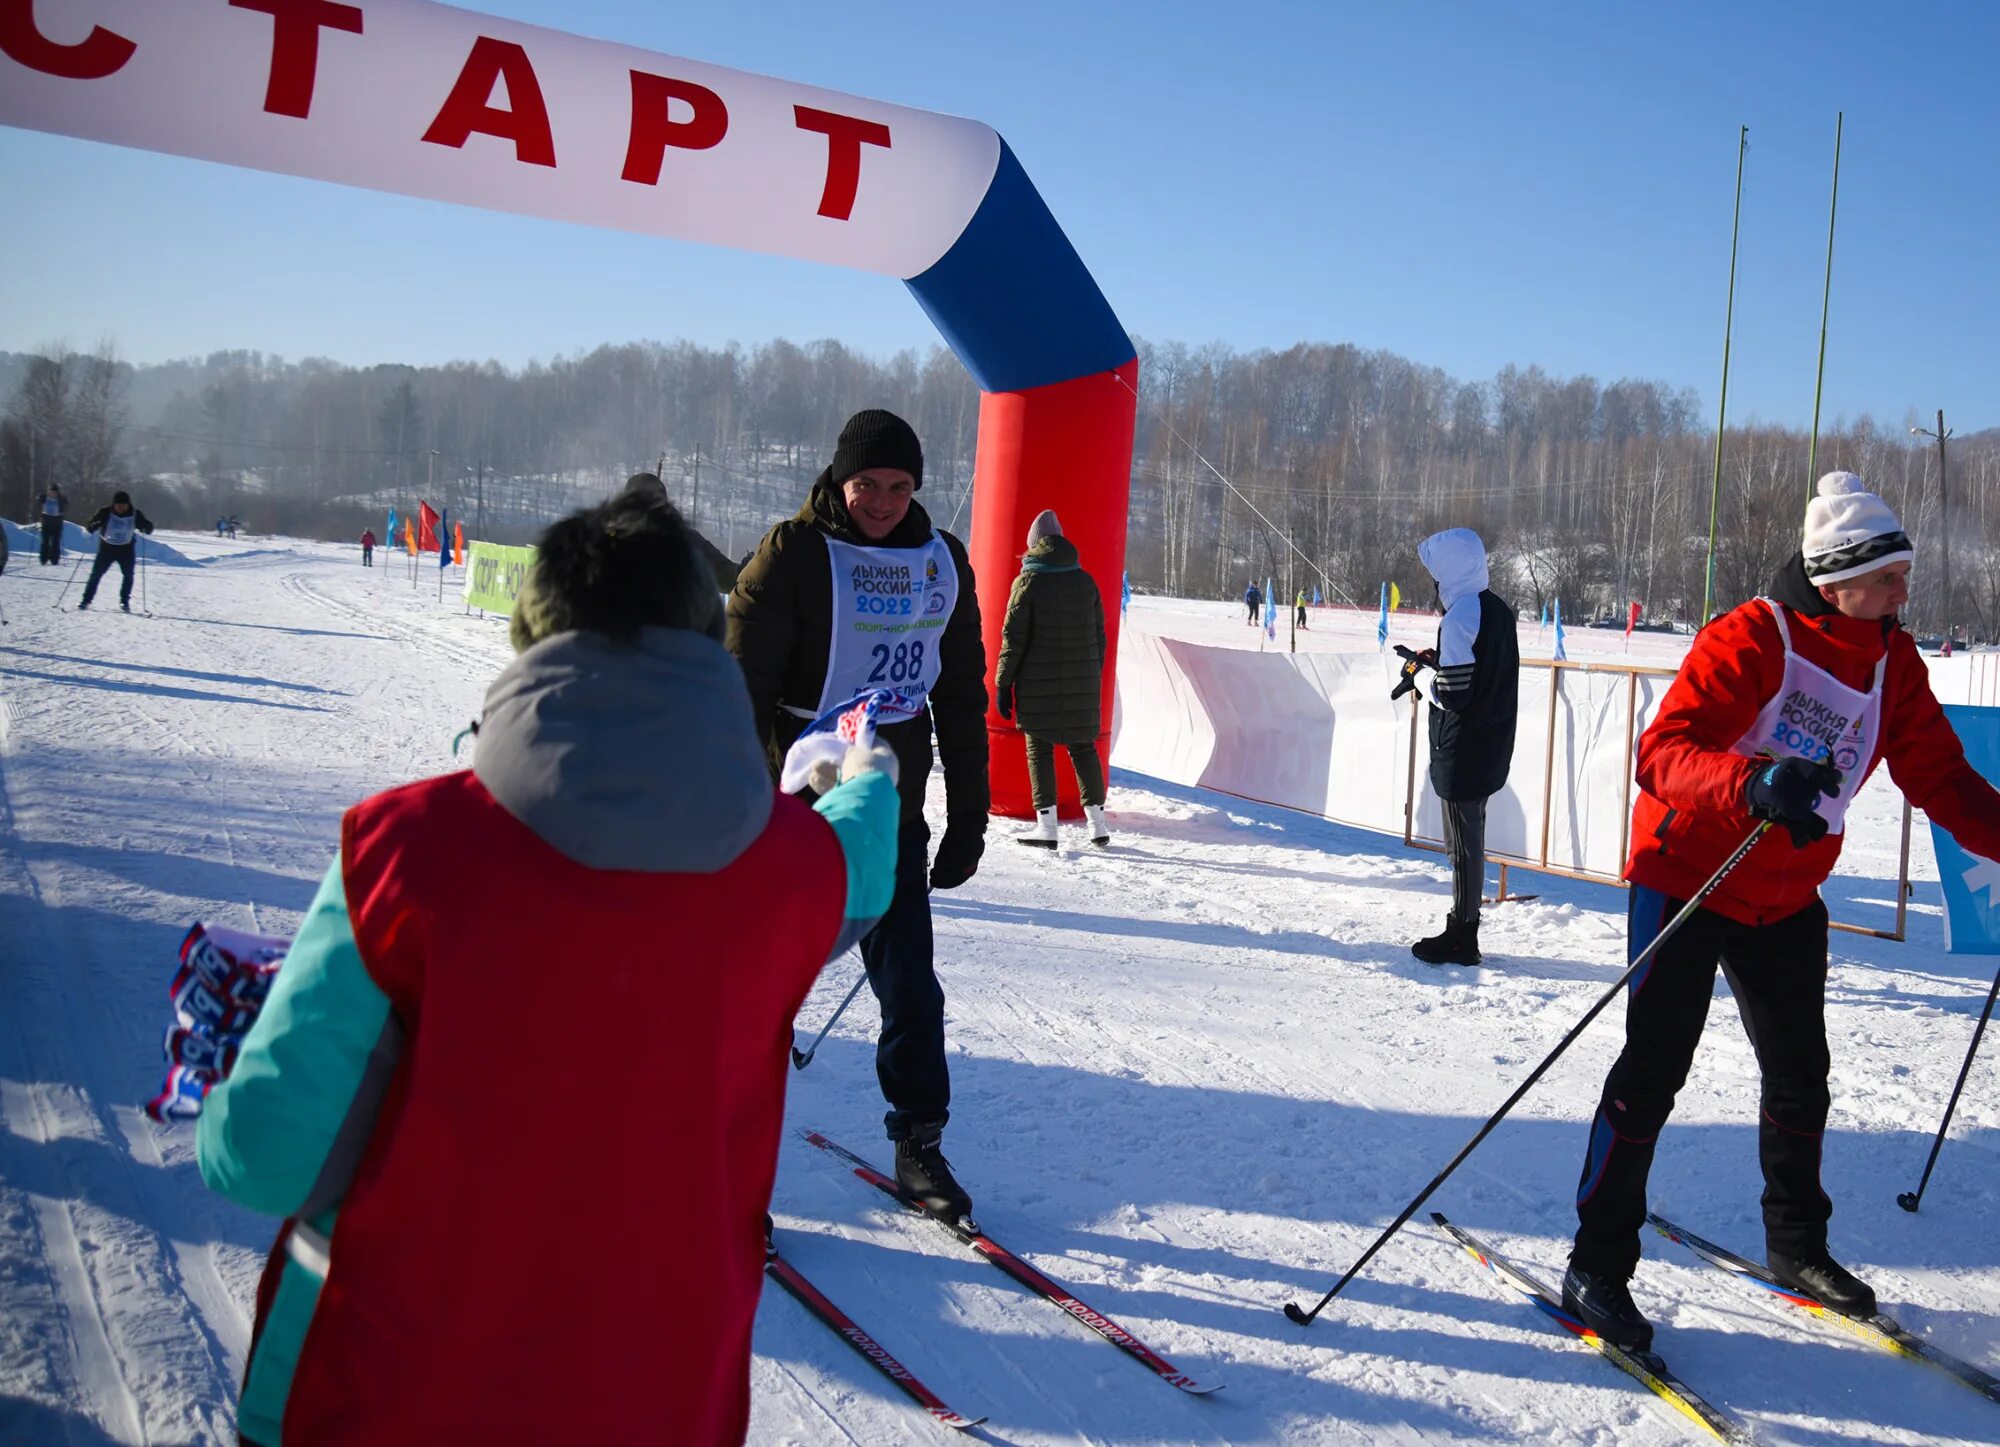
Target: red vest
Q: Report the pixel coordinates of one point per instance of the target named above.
(556, 1231)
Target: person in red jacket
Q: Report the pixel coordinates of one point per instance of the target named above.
(519, 1083)
(1781, 711)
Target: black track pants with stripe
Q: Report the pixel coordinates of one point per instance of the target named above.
(1778, 975)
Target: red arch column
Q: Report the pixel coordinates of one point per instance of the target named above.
(1068, 446)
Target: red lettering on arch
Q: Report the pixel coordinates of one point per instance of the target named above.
(100, 53)
(466, 110)
(295, 28)
(654, 128)
(845, 136)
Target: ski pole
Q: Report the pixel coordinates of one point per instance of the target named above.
(1304, 1318)
(1910, 1200)
(67, 581)
(800, 1060)
(142, 579)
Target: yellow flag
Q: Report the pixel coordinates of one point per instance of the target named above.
(1395, 597)
(410, 536)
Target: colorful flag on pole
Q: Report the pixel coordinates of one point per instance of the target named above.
(1270, 609)
(1395, 597)
(427, 528)
(458, 543)
(1631, 621)
(1562, 651)
(1544, 624)
(1382, 621)
(391, 534)
(1125, 595)
(410, 537)
(1315, 595)
(444, 540)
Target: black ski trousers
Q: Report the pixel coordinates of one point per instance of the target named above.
(1465, 843)
(51, 539)
(1778, 975)
(909, 1058)
(107, 554)
(1042, 771)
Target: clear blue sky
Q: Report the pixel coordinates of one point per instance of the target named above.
(1467, 184)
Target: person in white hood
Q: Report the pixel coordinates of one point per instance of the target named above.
(1473, 697)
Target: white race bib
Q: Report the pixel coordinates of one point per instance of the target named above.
(118, 530)
(1814, 715)
(890, 606)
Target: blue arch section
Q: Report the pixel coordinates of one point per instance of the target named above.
(1014, 300)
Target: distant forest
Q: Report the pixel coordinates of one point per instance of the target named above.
(1597, 493)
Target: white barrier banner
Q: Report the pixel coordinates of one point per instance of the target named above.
(429, 100)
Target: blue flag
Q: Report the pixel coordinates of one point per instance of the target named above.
(1545, 615)
(1270, 609)
(1971, 884)
(1562, 650)
(1382, 620)
(1315, 595)
(1125, 595)
(444, 540)
(392, 527)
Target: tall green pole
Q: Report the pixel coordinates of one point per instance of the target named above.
(1728, 322)
(1812, 455)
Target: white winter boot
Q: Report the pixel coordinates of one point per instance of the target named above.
(1043, 835)
(1100, 832)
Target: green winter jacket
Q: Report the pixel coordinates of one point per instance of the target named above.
(780, 627)
(1052, 646)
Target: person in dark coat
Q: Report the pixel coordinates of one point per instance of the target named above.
(1050, 679)
(368, 547)
(859, 593)
(54, 505)
(1253, 599)
(1474, 696)
(116, 527)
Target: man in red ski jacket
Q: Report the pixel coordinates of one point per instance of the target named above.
(1783, 708)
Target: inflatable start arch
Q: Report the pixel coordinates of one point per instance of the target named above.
(428, 100)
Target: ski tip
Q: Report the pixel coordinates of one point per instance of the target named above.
(1437, 1218)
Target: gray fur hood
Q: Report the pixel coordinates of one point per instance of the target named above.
(623, 756)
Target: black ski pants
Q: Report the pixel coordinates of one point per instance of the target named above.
(1465, 843)
(52, 539)
(1778, 975)
(1042, 771)
(909, 1057)
(107, 554)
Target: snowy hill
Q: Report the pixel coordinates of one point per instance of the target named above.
(1193, 1077)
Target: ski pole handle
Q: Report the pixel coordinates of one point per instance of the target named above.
(1305, 1318)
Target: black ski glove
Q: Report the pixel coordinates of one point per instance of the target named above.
(1788, 791)
(1003, 700)
(1412, 662)
(957, 857)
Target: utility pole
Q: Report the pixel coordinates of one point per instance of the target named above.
(1944, 515)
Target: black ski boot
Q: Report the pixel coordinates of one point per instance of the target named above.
(925, 1175)
(1458, 945)
(1819, 1276)
(1606, 1307)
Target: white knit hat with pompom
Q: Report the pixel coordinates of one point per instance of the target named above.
(1850, 531)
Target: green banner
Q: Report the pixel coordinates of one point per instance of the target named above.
(494, 575)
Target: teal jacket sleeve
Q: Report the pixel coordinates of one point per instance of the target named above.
(864, 813)
(283, 1132)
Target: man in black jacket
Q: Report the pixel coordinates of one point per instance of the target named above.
(1473, 697)
(858, 593)
(116, 528)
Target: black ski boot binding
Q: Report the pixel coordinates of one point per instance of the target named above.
(1607, 1308)
(1458, 945)
(1819, 1276)
(925, 1176)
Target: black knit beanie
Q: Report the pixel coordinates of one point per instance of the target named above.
(877, 439)
(124, 497)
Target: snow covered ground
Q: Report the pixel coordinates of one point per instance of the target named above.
(1194, 1075)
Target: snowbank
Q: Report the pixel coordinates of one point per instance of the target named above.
(25, 545)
